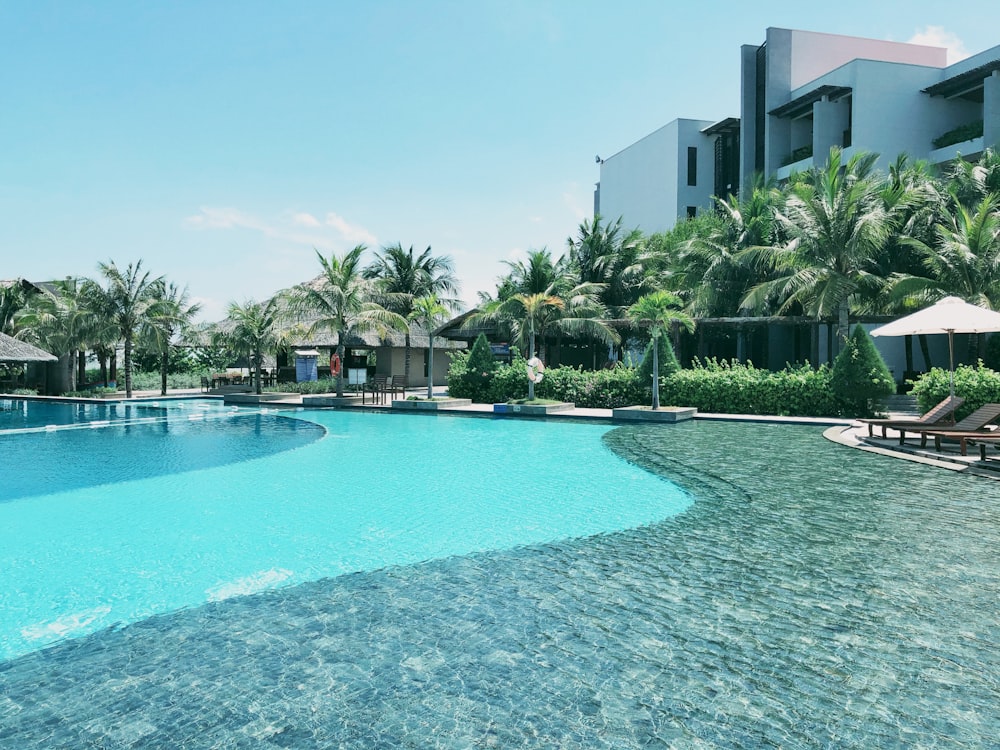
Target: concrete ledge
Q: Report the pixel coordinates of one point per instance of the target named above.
(647, 414)
(532, 410)
(425, 405)
(253, 398)
(331, 400)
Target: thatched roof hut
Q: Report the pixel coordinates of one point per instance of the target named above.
(14, 350)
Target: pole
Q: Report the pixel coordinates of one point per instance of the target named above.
(951, 362)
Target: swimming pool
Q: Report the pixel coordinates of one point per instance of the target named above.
(135, 518)
(811, 596)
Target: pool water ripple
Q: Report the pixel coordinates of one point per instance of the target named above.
(812, 596)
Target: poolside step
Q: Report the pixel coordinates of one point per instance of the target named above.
(901, 406)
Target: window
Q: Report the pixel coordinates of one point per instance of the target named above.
(692, 211)
(692, 165)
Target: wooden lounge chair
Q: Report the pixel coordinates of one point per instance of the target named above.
(974, 426)
(942, 415)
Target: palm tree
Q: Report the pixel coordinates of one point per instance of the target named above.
(130, 298)
(401, 278)
(962, 261)
(531, 315)
(62, 322)
(255, 329)
(171, 317)
(970, 182)
(837, 225)
(428, 311)
(659, 311)
(12, 299)
(340, 301)
(711, 266)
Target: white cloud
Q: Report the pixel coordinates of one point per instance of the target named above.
(305, 220)
(223, 218)
(938, 36)
(353, 234)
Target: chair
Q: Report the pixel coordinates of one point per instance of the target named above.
(398, 383)
(964, 432)
(206, 384)
(941, 415)
(377, 386)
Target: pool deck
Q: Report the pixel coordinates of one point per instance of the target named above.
(846, 432)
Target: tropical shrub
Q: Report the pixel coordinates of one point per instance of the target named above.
(977, 385)
(860, 375)
(471, 374)
(667, 361)
(306, 387)
(734, 388)
(601, 389)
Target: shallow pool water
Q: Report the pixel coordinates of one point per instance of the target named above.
(115, 524)
(811, 596)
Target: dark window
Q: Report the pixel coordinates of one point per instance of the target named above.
(692, 211)
(692, 165)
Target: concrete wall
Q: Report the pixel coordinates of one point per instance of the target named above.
(646, 183)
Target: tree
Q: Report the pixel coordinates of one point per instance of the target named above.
(531, 315)
(61, 321)
(130, 298)
(255, 330)
(970, 182)
(429, 312)
(171, 316)
(962, 261)
(339, 300)
(860, 375)
(402, 278)
(837, 224)
(658, 311)
(12, 299)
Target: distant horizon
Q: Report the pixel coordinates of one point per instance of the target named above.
(220, 144)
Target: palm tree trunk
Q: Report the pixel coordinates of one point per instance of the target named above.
(259, 356)
(406, 359)
(430, 370)
(656, 372)
(128, 367)
(164, 361)
(531, 353)
(81, 367)
(843, 324)
(925, 351)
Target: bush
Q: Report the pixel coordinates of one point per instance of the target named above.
(601, 389)
(977, 385)
(306, 387)
(957, 135)
(667, 361)
(735, 388)
(860, 375)
(471, 374)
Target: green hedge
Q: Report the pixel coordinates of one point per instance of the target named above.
(715, 387)
(734, 388)
(977, 385)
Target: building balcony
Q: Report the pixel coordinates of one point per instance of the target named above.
(970, 149)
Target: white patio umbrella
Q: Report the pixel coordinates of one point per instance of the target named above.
(950, 315)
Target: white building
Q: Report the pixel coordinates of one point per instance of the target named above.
(803, 92)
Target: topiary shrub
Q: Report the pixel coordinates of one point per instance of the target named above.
(471, 374)
(860, 375)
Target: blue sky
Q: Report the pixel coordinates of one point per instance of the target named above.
(221, 142)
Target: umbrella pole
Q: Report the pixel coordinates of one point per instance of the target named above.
(951, 362)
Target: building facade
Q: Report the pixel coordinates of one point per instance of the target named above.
(802, 93)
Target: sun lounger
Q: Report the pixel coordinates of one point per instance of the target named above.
(976, 425)
(942, 415)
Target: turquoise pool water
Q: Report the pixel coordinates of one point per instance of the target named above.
(110, 525)
(810, 596)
